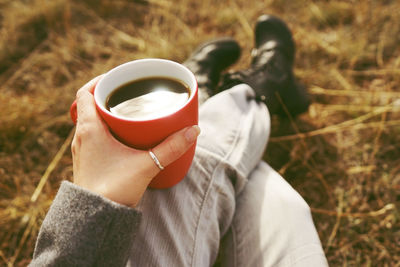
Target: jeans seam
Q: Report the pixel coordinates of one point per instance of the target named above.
(222, 160)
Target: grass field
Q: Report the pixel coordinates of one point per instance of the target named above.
(343, 155)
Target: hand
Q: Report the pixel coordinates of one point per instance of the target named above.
(107, 167)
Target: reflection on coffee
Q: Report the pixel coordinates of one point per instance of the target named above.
(148, 98)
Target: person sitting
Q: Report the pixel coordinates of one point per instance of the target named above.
(232, 208)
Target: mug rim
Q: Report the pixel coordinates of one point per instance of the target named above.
(193, 87)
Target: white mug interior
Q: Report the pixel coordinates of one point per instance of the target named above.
(138, 69)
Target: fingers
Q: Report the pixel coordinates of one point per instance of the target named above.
(89, 86)
(89, 121)
(85, 102)
(176, 145)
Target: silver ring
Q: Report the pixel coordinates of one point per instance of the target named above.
(156, 161)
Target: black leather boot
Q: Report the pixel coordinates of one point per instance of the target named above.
(209, 60)
(271, 71)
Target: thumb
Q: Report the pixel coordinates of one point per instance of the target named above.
(176, 145)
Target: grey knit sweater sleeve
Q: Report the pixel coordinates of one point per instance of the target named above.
(84, 229)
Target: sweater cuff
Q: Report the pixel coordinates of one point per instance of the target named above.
(83, 228)
(68, 188)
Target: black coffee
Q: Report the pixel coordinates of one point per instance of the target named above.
(148, 98)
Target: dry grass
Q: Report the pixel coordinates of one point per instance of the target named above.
(342, 156)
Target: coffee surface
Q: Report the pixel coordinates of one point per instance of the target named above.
(148, 98)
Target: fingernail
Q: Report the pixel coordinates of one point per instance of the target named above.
(191, 133)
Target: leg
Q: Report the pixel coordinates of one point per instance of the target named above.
(183, 225)
(272, 226)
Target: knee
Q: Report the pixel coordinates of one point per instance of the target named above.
(293, 205)
(284, 199)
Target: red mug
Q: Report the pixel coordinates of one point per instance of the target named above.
(147, 133)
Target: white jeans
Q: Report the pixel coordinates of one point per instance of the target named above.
(230, 202)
